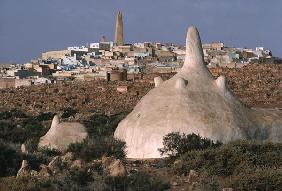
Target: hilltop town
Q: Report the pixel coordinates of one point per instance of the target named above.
(119, 61)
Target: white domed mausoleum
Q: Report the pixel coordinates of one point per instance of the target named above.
(193, 101)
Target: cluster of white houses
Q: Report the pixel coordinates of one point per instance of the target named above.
(107, 61)
(117, 60)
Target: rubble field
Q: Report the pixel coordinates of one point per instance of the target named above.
(257, 85)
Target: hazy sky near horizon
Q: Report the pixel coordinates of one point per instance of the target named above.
(29, 27)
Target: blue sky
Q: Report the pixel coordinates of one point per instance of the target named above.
(29, 27)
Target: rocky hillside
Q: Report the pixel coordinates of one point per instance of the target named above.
(256, 85)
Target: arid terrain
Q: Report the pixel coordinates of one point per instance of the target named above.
(99, 105)
(256, 85)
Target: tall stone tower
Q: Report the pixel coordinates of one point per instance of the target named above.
(119, 30)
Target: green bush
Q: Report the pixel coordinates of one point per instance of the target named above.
(100, 139)
(14, 113)
(102, 125)
(72, 180)
(26, 183)
(33, 128)
(49, 152)
(242, 165)
(10, 132)
(69, 112)
(234, 158)
(41, 156)
(93, 148)
(139, 181)
(68, 180)
(10, 160)
(80, 176)
(261, 179)
(32, 144)
(45, 116)
(19, 132)
(176, 144)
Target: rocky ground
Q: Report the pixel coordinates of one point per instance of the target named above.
(256, 85)
(85, 97)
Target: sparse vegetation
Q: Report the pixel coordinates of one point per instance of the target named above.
(45, 116)
(176, 144)
(102, 125)
(136, 182)
(234, 158)
(10, 160)
(80, 179)
(242, 165)
(69, 112)
(18, 127)
(32, 144)
(27, 183)
(72, 180)
(14, 113)
(94, 148)
(100, 139)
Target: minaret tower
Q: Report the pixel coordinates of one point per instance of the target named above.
(119, 30)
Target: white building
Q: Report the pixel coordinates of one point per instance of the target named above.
(38, 81)
(94, 45)
(77, 48)
(260, 48)
(139, 45)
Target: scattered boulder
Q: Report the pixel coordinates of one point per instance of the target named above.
(44, 171)
(34, 173)
(193, 176)
(174, 183)
(68, 157)
(77, 164)
(178, 164)
(106, 161)
(122, 89)
(55, 165)
(61, 135)
(193, 180)
(23, 148)
(55, 162)
(117, 169)
(24, 170)
(113, 167)
(96, 162)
